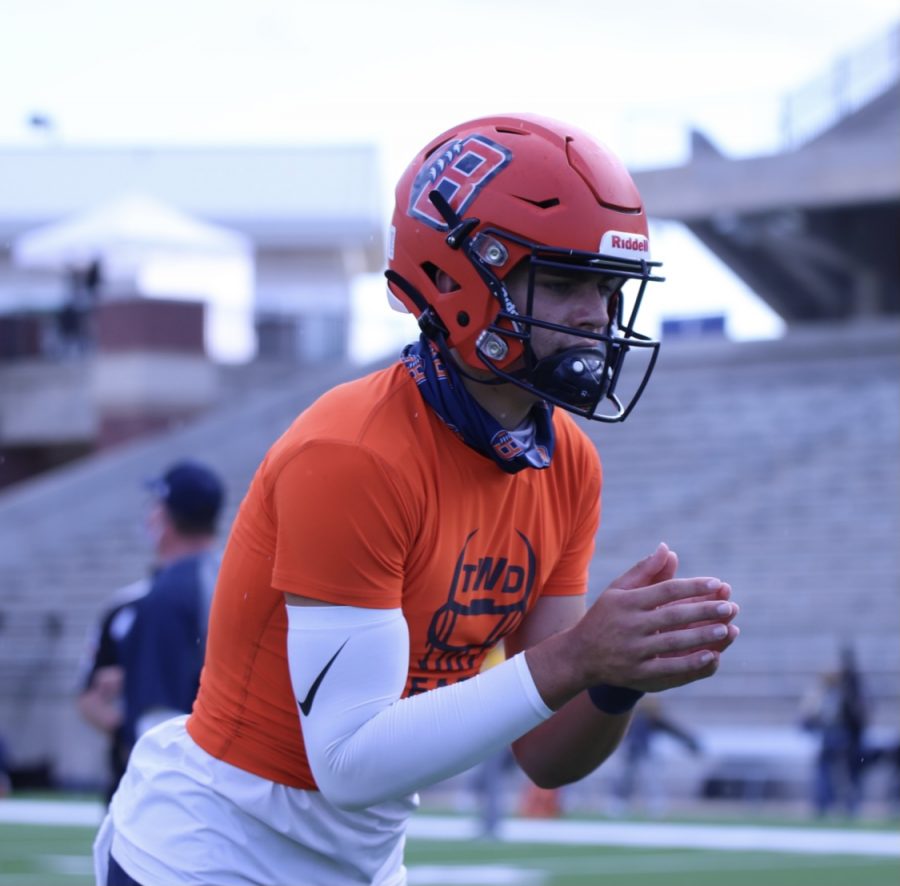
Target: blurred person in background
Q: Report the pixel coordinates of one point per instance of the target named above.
(407, 522)
(892, 756)
(641, 780)
(100, 701)
(145, 658)
(76, 316)
(490, 776)
(5, 780)
(835, 710)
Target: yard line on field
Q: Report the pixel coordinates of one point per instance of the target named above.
(740, 838)
(685, 861)
(76, 865)
(51, 812)
(482, 874)
(23, 879)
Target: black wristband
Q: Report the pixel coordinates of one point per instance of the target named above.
(614, 699)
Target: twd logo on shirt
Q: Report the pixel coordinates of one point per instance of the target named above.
(487, 598)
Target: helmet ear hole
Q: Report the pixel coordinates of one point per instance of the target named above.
(443, 282)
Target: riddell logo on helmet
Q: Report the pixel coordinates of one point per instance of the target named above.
(630, 243)
(621, 244)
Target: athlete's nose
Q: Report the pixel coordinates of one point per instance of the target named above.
(590, 307)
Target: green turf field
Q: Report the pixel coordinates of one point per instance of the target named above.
(41, 855)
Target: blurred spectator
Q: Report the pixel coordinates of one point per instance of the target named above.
(75, 319)
(640, 780)
(893, 759)
(887, 757)
(5, 783)
(145, 664)
(835, 710)
(100, 699)
(70, 326)
(489, 777)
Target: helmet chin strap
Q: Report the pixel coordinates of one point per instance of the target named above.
(433, 328)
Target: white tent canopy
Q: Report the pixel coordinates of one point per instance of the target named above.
(144, 247)
(125, 231)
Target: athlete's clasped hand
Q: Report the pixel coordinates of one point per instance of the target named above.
(648, 630)
(652, 631)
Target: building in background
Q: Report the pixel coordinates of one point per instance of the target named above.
(311, 217)
(811, 228)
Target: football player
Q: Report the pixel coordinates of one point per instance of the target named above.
(409, 521)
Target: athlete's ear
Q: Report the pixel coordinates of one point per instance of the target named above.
(444, 282)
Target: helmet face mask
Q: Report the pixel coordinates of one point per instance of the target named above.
(580, 376)
(539, 198)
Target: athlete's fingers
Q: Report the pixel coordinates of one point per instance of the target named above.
(669, 568)
(662, 632)
(676, 589)
(727, 619)
(733, 632)
(723, 593)
(686, 639)
(657, 674)
(658, 566)
(694, 614)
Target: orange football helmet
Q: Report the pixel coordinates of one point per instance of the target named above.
(492, 193)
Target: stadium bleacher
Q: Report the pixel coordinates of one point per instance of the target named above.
(773, 464)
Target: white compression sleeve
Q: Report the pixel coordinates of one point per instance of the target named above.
(364, 743)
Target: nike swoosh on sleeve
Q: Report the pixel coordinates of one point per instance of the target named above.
(306, 704)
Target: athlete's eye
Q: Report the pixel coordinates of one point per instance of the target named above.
(609, 286)
(561, 287)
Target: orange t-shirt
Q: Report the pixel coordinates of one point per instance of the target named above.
(368, 499)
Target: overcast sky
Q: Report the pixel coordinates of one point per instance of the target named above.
(396, 72)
